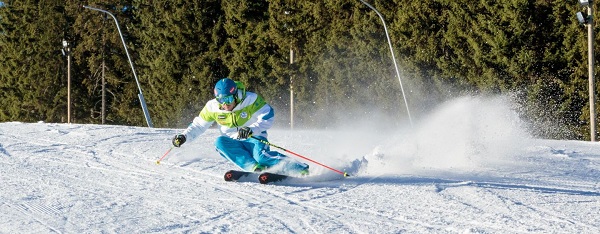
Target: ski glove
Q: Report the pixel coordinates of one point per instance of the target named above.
(178, 140)
(244, 133)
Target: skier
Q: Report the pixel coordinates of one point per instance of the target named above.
(244, 118)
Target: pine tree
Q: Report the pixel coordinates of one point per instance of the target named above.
(96, 41)
(32, 83)
(178, 53)
(248, 47)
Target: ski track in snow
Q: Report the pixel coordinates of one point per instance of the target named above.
(60, 178)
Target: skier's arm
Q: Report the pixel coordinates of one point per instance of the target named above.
(200, 124)
(264, 120)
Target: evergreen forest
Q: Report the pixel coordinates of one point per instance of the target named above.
(333, 54)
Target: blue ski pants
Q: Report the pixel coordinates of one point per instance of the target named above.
(249, 152)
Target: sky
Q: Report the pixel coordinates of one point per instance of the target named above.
(469, 166)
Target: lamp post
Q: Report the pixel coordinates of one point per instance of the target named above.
(588, 21)
(393, 58)
(288, 12)
(103, 109)
(103, 114)
(140, 95)
(291, 91)
(67, 52)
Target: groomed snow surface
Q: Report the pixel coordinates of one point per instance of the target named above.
(468, 167)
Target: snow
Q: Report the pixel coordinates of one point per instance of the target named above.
(468, 167)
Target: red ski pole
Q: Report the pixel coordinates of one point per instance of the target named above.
(305, 158)
(164, 155)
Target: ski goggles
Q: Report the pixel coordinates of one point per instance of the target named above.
(222, 99)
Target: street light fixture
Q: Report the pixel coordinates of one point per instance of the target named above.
(288, 12)
(581, 18)
(140, 95)
(587, 19)
(393, 58)
(66, 48)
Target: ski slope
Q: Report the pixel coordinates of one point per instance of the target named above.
(469, 167)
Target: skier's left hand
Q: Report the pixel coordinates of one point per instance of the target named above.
(244, 133)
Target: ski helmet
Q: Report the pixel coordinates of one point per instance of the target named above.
(225, 91)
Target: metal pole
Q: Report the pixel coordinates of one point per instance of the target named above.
(103, 94)
(68, 84)
(103, 114)
(591, 62)
(393, 58)
(140, 95)
(291, 92)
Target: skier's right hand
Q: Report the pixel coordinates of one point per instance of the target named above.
(178, 140)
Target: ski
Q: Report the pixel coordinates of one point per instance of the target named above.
(263, 178)
(234, 175)
(267, 177)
